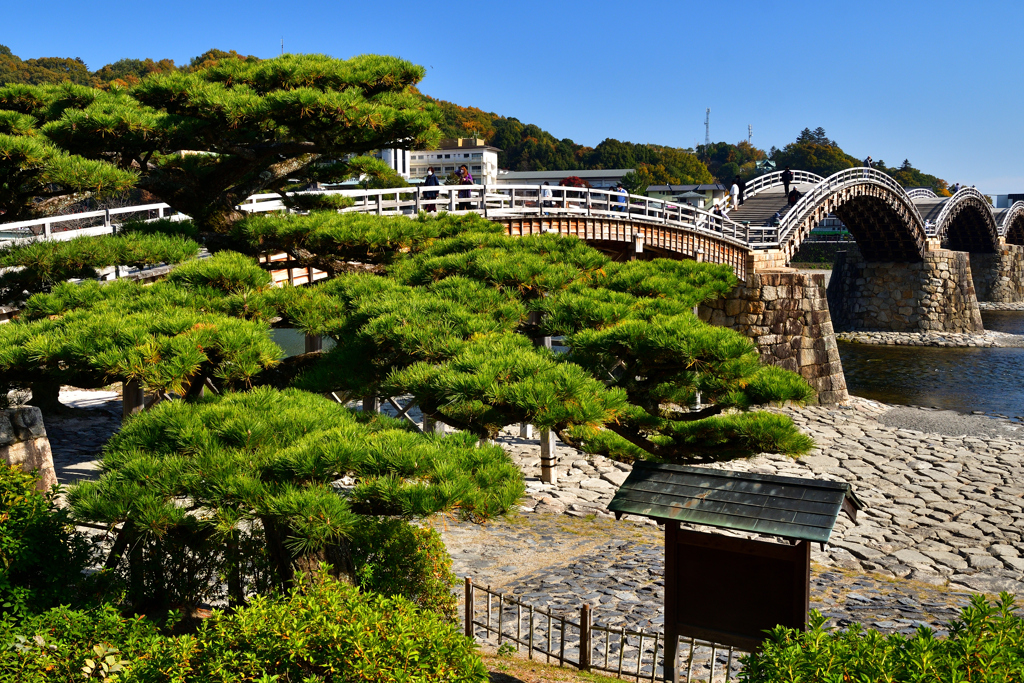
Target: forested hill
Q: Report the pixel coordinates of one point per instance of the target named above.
(525, 147)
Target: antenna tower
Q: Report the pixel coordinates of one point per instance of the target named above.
(282, 46)
(707, 127)
(750, 133)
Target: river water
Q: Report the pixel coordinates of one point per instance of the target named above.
(989, 380)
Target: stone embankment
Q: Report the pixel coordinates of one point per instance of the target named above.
(986, 339)
(1001, 306)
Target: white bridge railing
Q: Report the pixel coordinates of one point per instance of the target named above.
(1016, 209)
(771, 180)
(65, 228)
(921, 193)
(504, 201)
(491, 201)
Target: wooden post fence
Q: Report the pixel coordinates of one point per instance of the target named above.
(626, 653)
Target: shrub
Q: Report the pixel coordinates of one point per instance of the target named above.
(322, 630)
(985, 644)
(393, 557)
(54, 645)
(41, 556)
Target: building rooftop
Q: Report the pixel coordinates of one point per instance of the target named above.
(600, 173)
(788, 507)
(685, 188)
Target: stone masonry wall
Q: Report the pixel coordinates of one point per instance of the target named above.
(786, 315)
(999, 276)
(23, 442)
(936, 294)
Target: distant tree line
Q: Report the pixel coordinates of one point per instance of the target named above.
(524, 146)
(124, 72)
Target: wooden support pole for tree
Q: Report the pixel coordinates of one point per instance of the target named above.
(525, 430)
(548, 474)
(314, 342)
(432, 426)
(133, 398)
(371, 404)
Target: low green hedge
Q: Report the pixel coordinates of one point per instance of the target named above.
(394, 557)
(986, 644)
(41, 555)
(322, 631)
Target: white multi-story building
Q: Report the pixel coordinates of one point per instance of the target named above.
(478, 157)
(397, 159)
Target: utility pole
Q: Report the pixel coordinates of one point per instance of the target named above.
(750, 133)
(707, 127)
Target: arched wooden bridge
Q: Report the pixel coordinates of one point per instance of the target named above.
(889, 224)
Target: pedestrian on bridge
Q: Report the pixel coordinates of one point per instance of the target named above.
(868, 164)
(743, 188)
(545, 194)
(787, 178)
(431, 181)
(620, 197)
(465, 178)
(734, 192)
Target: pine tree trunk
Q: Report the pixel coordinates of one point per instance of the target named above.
(338, 556)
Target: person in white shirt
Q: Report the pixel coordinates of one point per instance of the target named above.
(734, 192)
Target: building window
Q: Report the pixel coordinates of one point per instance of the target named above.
(477, 155)
(447, 156)
(476, 169)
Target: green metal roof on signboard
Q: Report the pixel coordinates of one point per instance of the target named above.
(788, 507)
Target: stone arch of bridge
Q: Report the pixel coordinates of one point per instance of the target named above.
(967, 224)
(882, 219)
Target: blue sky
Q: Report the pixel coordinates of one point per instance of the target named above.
(939, 83)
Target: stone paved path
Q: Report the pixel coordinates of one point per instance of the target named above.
(76, 441)
(941, 508)
(617, 567)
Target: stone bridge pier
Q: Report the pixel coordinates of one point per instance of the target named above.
(999, 276)
(786, 315)
(935, 293)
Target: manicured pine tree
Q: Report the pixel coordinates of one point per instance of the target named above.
(204, 141)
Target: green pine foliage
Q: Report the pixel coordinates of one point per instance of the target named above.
(452, 324)
(266, 459)
(985, 644)
(164, 336)
(38, 178)
(206, 139)
(331, 241)
(39, 266)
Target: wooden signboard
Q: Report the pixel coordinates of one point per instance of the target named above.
(731, 590)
